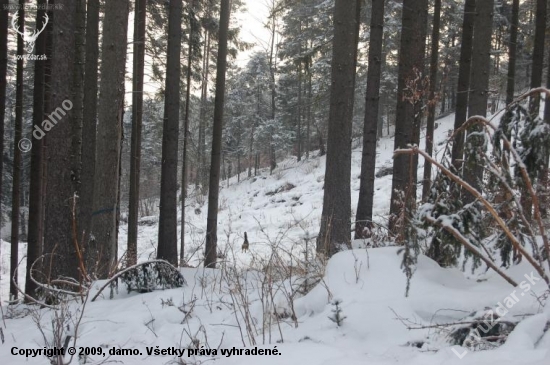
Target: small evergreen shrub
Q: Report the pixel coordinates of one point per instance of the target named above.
(337, 316)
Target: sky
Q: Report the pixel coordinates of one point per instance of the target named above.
(252, 29)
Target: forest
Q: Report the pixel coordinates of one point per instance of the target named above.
(360, 181)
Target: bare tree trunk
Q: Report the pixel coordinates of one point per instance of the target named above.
(334, 233)
(78, 95)
(213, 191)
(538, 55)
(18, 135)
(463, 87)
(168, 219)
(47, 107)
(89, 121)
(137, 121)
(512, 50)
(547, 102)
(184, 168)
(58, 237)
(36, 202)
(201, 176)
(477, 103)
(408, 113)
(299, 126)
(109, 134)
(3, 84)
(372, 102)
(309, 101)
(251, 147)
(238, 168)
(434, 60)
(272, 70)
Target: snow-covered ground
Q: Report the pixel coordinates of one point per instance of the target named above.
(221, 309)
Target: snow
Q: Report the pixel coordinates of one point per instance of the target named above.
(370, 285)
(280, 213)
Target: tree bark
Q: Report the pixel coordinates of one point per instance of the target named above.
(109, 135)
(334, 233)
(36, 202)
(463, 87)
(201, 171)
(547, 100)
(432, 102)
(137, 120)
(213, 191)
(479, 93)
(168, 219)
(363, 221)
(3, 84)
(60, 177)
(299, 124)
(272, 70)
(408, 113)
(512, 50)
(18, 135)
(186, 133)
(78, 96)
(89, 121)
(538, 56)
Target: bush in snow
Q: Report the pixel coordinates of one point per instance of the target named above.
(502, 214)
(150, 276)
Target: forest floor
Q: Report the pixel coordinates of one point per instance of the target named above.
(225, 308)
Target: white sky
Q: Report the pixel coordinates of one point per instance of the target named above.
(252, 29)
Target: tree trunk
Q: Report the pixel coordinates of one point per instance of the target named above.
(89, 121)
(168, 219)
(251, 146)
(334, 233)
(408, 113)
(184, 167)
(434, 60)
(47, 107)
(201, 176)
(512, 50)
(463, 87)
(479, 85)
(60, 177)
(272, 70)
(299, 125)
(137, 120)
(363, 220)
(17, 138)
(109, 134)
(213, 191)
(36, 202)
(3, 84)
(547, 100)
(538, 56)
(309, 101)
(78, 96)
